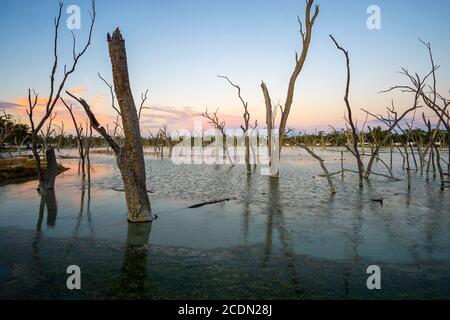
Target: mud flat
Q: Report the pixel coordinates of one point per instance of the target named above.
(22, 168)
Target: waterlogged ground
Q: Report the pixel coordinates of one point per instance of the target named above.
(277, 238)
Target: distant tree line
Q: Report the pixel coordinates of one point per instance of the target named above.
(17, 135)
(372, 136)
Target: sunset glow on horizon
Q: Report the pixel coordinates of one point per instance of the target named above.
(176, 49)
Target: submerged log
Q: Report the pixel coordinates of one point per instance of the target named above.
(198, 205)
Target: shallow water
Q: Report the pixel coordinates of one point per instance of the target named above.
(277, 238)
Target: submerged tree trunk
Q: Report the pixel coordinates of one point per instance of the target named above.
(354, 129)
(130, 159)
(79, 131)
(269, 122)
(47, 178)
(130, 156)
(438, 162)
(275, 146)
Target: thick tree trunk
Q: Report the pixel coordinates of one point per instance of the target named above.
(273, 153)
(130, 159)
(47, 178)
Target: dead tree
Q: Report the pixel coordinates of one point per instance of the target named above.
(47, 180)
(61, 135)
(376, 142)
(429, 94)
(432, 147)
(405, 155)
(88, 141)
(19, 144)
(391, 123)
(299, 63)
(216, 123)
(354, 131)
(269, 116)
(49, 130)
(245, 128)
(255, 144)
(142, 105)
(6, 129)
(166, 139)
(79, 132)
(130, 155)
(416, 140)
(348, 135)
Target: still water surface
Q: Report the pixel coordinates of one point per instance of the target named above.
(275, 238)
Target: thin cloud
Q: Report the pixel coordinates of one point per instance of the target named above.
(10, 106)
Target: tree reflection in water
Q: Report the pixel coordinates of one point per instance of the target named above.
(133, 273)
(275, 219)
(82, 211)
(247, 207)
(47, 201)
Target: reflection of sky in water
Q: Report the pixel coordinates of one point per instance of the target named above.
(295, 215)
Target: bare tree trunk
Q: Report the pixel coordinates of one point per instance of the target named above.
(61, 136)
(408, 169)
(306, 34)
(391, 126)
(448, 147)
(88, 150)
(413, 156)
(428, 165)
(47, 178)
(355, 150)
(391, 158)
(433, 162)
(130, 156)
(246, 126)
(438, 162)
(273, 152)
(79, 131)
(300, 61)
(47, 181)
(130, 159)
(269, 120)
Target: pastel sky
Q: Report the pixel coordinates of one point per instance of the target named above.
(176, 49)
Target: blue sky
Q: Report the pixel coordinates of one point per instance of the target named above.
(177, 48)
